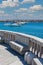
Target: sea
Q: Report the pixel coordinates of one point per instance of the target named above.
(31, 28)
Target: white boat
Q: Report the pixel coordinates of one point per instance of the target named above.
(18, 23)
(14, 24)
(7, 24)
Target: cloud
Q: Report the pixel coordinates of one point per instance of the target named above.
(9, 3)
(31, 9)
(1, 12)
(4, 15)
(26, 1)
(23, 16)
(22, 10)
(16, 1)
(36, 8)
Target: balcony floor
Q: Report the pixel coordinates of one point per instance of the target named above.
(9, 56)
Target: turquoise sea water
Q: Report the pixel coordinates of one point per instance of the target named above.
(32, 28)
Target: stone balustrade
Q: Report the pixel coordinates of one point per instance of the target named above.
(35, 44)
(36, 61)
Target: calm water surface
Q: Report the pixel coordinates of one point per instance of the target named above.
(32, 28)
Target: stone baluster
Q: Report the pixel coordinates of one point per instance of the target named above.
(5, 35)
(35, 49)
(12, 37)
(9, 36)
(41, 52)
(30, 45)
(38, 50)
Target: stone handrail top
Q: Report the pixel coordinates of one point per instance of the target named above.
(40, 40)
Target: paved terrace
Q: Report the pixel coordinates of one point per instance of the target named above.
(9, 56)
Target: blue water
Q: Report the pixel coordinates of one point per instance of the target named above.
(32, 28)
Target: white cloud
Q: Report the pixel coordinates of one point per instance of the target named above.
(9, 3)
(21, 10)
(15, 1)
(32, 9)
(26, 1)
(23, 16)
(1, 12)
(36, 8)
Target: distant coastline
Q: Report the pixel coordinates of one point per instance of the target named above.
(21, 20)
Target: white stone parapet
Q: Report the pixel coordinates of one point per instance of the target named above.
(35, 44)
(36, 62)
(18, 47)
(28, 57)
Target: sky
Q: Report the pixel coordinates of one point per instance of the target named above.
(21, 9)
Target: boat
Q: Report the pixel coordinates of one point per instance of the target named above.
(7, 24)
(14, 24)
